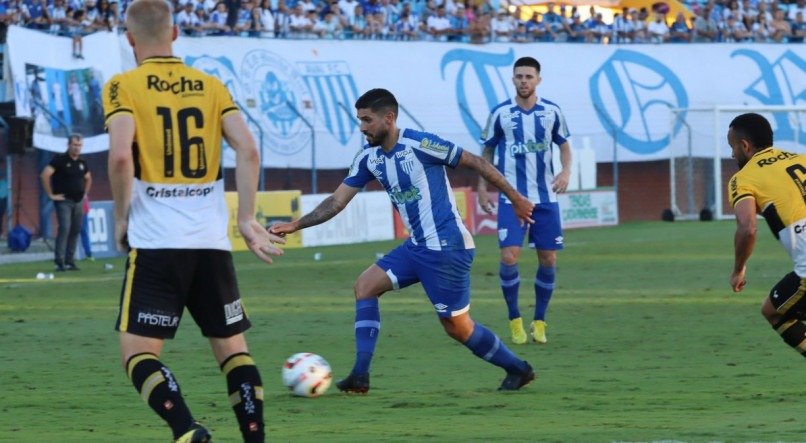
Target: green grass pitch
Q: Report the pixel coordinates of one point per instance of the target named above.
(646, 343)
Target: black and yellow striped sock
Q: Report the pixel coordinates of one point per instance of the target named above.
(246, 395)
(158, 387)
(793, 331)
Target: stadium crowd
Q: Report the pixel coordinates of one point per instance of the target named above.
(473, 21)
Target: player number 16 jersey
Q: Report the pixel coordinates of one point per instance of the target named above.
(178, 191)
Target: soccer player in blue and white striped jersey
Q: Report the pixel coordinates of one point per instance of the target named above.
(411, 165)
(518, 139)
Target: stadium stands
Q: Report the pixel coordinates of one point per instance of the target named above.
(474, 21)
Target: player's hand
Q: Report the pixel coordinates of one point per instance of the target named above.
(57, 197)
(485, 202)
(282, 229)
(121, 235)
(523, 209)
(560, 182)
(738, 280)
(259, 240)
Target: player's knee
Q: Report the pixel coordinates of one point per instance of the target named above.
(457, 333)
(360, 289)
(365, 292)
(547, 258)
(769, 312)
(457, 328)
(509, 256)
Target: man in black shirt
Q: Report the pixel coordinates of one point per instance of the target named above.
(66, 180)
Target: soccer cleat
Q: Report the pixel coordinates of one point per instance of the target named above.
(538, 330)
(358, 384)
(516, 380)
(196, 434)
(517, 332)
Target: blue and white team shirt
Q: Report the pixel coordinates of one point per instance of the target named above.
(522, 141)
(413, 174)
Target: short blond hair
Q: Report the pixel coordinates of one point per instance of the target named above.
(150, 21)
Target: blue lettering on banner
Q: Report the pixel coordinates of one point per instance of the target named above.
(791, 70)
(634, 97)
(334, 92)
(479, 62)
(222, 69)
(272, 94)
(283, 98)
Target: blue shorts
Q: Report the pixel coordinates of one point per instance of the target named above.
(545, 234)
(445, 275)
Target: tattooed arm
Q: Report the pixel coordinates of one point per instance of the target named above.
(322, 213)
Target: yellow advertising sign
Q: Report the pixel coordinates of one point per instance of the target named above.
(461, 197)
(271, 207)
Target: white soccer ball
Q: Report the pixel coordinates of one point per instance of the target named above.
(307, 374)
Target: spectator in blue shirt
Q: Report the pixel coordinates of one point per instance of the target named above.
(537, 29)
(406, 27)
(38, 14)
(371, 7)
(679, 32)
(798, 28)
(576, 30)
(459, 25)
(58, 17)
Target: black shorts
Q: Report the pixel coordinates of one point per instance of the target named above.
(160, 283)
(788, 296)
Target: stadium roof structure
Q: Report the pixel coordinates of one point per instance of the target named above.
(670, 7)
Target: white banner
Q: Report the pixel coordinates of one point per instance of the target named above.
(608, 93)
(62, 93)
(368, 217)
(588, 208)
(298, 95)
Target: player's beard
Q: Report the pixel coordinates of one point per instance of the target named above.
(526, 93)
(377, 138)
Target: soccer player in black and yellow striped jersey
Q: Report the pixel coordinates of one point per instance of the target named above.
(166, 122)
(770, 182)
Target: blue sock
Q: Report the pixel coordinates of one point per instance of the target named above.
(484, 344)
(367, 326)
(510, 283)
(544, 286)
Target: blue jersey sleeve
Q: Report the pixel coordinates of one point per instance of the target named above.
(559, 132)
(359, 174)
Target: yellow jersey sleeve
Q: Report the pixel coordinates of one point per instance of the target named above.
(227, 103)
(115, 98)
(739, 188)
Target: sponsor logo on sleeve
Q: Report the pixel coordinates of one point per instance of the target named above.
(431, 145)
